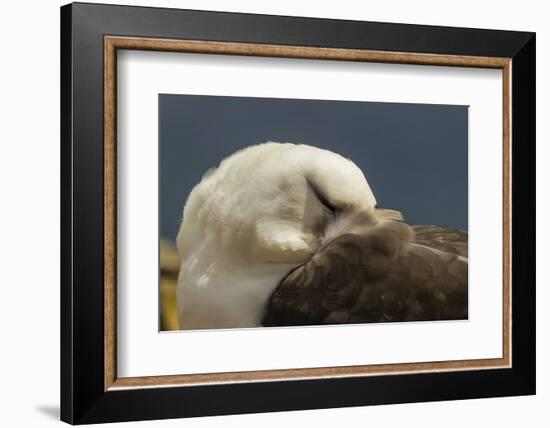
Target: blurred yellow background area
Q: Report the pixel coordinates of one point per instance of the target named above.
(169, 268)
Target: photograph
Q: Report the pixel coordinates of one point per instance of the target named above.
(257, 204)
(299, 212)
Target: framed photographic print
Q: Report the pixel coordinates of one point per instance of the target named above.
(265, 213)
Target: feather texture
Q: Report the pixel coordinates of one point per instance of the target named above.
(375, 269)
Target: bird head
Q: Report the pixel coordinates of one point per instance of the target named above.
(251, 220)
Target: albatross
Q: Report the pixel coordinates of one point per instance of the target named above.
(283, 234)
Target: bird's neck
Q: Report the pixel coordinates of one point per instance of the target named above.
(226, 293)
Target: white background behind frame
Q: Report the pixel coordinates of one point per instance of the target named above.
(39, 406)
(143, 351)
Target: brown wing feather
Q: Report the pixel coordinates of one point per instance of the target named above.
(453, 241)
(379, 273)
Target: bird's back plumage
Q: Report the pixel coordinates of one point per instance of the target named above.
(376, 270)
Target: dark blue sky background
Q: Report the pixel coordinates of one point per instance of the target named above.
(415, 156)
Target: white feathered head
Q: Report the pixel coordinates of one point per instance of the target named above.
(253, 219)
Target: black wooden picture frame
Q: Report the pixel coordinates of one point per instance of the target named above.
(85, 398)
